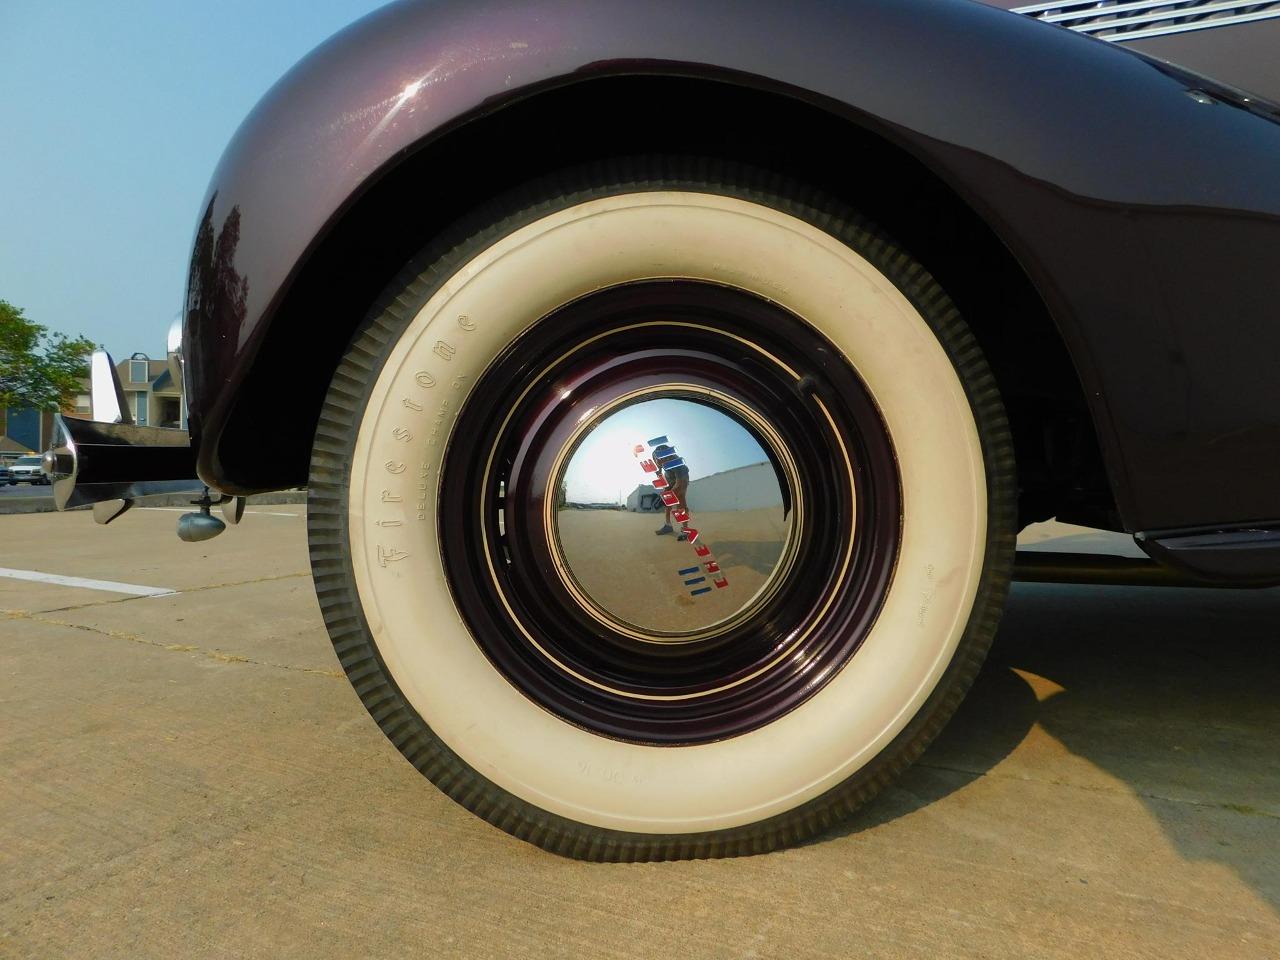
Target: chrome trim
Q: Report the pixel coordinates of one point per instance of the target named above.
(1201, 25)
(106, 394)
(1224, 6)
(173, 350)
(61, 465)
(1091, 11)
(233, 509)
(1032, 9)
(97, 461)
(1113, 21)
(713, 399)
(104, 511)
(1099, 8)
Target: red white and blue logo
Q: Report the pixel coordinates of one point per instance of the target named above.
(657, 457)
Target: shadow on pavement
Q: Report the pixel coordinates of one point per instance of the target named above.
(1174, 692)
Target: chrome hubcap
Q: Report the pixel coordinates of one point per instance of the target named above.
(676, 514)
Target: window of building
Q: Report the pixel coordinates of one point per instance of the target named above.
(138, 371)
(83, 403)
(140, 408)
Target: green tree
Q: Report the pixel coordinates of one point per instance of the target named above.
(38, 368)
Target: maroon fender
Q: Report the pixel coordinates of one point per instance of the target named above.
(1142, 202)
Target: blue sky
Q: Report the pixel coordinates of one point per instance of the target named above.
(112, 118)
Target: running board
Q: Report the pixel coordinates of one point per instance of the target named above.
(1035, 566)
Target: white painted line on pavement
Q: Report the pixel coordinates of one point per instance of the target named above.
(247, 513)
(111, 586)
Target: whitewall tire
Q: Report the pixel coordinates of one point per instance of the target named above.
(443, 538)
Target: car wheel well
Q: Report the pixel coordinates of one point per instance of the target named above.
(1061, 471)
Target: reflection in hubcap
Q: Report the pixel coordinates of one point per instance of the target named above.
(549, 511)
(673, 519)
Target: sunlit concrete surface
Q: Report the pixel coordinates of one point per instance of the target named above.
(190, 776)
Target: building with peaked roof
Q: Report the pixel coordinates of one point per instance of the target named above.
(153, 398)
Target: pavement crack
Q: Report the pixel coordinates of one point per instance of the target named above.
(240, 583)
(176, 593)
(216, 655)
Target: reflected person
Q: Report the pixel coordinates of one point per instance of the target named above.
(676, 472)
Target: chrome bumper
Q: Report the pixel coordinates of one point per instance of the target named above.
(110, 461)
(97, 462)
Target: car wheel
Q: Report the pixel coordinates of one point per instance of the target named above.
(835, 565)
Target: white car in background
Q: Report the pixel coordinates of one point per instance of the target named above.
(27, 470)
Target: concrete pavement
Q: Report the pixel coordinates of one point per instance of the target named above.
(191, 776)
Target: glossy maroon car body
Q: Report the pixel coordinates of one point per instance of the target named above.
(1134, 208)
